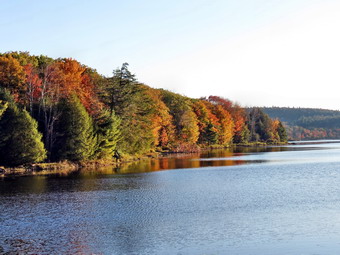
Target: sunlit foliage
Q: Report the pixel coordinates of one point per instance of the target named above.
(75, 135)
(86, 116)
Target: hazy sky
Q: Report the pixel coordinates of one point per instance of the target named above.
(255, 52)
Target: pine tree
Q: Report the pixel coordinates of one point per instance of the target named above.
(210, 134)
(282, 133)
(20, 141)
(75, 139)
(259, 125)
(120, 90)
(107, 135)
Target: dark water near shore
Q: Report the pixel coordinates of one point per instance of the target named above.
(274, 200)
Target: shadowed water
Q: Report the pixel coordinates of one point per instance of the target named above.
(274, 200)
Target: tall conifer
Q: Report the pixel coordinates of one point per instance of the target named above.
(75, 139)
(20, 141)
(107, 135)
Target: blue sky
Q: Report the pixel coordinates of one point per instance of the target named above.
(259, 52)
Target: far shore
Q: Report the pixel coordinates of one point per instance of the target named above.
(307, 142)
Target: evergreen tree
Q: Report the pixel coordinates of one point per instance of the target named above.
(282, 133)
(20, 141)
(119, 90)
(210, 134)
(137, 127)
(128, 99)
(259, 125)
(107, 135)
(75, 136)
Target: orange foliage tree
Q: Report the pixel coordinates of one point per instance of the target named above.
(76, 80)
(226, 127)
(12, 76)
(62, 79)
(238, 115)
(184, 119)
(33, 86)
(162, 127)
(208, 122)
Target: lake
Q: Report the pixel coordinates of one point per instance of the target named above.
(272, 200)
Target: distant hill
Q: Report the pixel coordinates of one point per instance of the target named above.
(295, 115)
(307, 123)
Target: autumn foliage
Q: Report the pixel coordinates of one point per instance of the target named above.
(122, 115)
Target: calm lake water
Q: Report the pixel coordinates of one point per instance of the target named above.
(275, 200)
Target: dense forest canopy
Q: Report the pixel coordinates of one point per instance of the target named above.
(59, 109)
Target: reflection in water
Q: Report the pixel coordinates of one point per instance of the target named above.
(288, 204)
(211, 158)
(179, 161)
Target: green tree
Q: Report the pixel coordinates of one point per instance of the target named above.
(210, 134)
(20, 141)
(282, 133)
(107, 135)
(137, 126)
(129, 101)
(119, 90)
(75, 139)
(259, 125)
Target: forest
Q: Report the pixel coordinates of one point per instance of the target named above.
(53, 110)
(307, 123)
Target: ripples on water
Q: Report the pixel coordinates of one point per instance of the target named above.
(277, 200)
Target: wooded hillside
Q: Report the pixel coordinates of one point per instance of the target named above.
(59, 109)
(308, 123)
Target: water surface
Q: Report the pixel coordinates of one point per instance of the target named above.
(273, 200)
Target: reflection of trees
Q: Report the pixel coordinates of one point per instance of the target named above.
(219, 157)
(31, 184)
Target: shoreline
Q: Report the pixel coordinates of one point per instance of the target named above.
(311, 142)
(66, 167)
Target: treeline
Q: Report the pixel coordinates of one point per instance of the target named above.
(307, 123)
(328, 122)
(301, 133)
(58, 109)
(291, 115)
